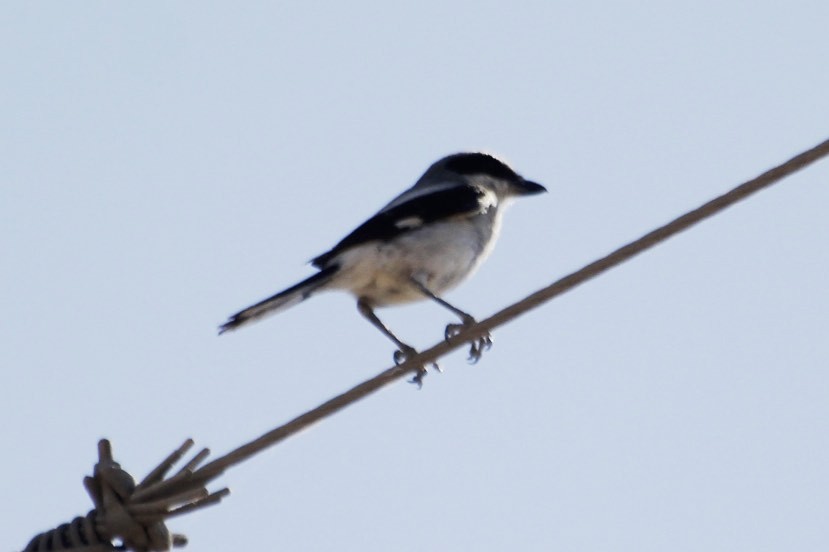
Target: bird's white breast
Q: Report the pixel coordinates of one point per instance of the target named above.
(438, 255)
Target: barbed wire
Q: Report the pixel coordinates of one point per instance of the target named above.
(136, 513)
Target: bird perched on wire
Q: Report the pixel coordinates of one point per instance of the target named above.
(423, 243)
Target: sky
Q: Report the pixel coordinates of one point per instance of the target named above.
(166, 164)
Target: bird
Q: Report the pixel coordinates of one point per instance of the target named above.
(423, 243)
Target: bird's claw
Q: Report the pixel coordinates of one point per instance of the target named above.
(404, 354)
(477, 346)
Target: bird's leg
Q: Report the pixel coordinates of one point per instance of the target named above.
(476, 347)
(404, 351)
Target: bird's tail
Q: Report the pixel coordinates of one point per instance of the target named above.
(282, 300)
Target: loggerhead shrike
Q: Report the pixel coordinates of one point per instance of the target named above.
(423, 243)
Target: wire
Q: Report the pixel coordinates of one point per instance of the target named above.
(515, 310)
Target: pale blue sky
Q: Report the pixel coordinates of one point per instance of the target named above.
(165, 164)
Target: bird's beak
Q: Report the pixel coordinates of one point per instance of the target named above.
(528, 187)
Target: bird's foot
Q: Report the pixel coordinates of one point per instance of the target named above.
(404, 354)
(477, 346)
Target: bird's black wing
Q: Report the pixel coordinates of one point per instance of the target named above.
(410, 215)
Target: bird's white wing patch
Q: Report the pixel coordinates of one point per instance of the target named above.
(409, 222)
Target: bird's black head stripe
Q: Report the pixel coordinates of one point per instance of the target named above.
(480, 163)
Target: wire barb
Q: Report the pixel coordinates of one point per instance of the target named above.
(132, 514)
